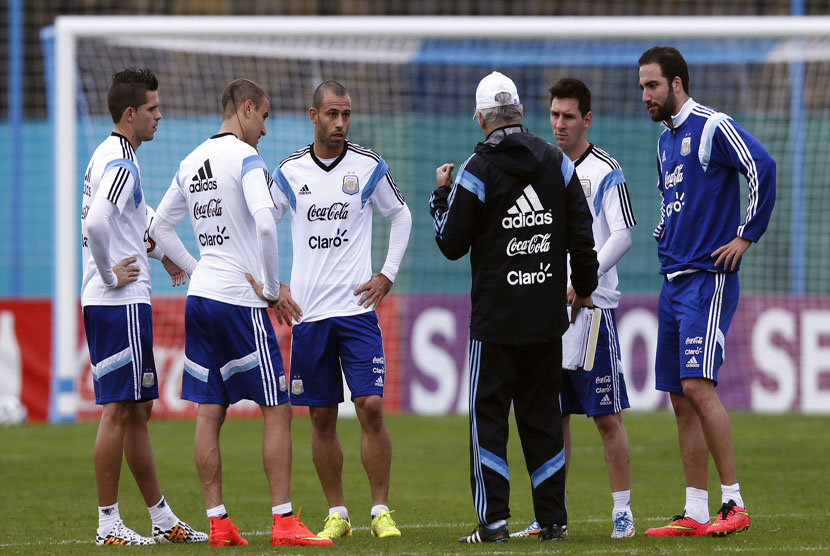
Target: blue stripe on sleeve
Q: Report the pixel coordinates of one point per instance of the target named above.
(567, 169)
(369, 188)
(252, 163)
(282, 183)
(613, 178)
(130, 166)
(471, 184)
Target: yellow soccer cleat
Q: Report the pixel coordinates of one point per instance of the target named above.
(383, 526)
(335, 527)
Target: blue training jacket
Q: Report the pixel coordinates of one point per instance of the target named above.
(699, 161)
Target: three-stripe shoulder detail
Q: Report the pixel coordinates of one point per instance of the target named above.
(295, 155)
(605, 157)
(364, 151)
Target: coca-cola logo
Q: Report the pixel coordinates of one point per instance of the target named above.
(539, 243)
(337, 211)
(207, 210)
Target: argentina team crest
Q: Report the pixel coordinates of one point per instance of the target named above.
(586, 186)
(351, 185)
(686, 146)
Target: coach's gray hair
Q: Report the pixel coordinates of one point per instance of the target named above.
(507, 114)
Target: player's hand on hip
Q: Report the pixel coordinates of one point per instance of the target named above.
(728, 255)
(374, 290)
(177, 275)
(443, 175)
(258, 289)
(125, 272)
(286, 308)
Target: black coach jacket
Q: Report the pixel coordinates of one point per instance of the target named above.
(518, 207)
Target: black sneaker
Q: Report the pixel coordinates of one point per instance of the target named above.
(482, 533)
(553, 533)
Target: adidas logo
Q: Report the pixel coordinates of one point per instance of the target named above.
(379, 381)
(692, 363)
(203, 179)
(526, 212)
(605, 400)
(304, 190)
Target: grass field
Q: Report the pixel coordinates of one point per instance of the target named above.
(48, 501)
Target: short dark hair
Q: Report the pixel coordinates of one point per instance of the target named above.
(129, 89)
(333, 86)
(671, 63)
(237, 92)
(571, 87)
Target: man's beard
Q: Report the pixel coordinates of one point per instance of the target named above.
(667, 110)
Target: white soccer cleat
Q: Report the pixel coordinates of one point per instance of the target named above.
(623, 525)
(531, 530)
(179, 533)
(121, 535)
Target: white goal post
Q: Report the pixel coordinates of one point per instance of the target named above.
(69, 30)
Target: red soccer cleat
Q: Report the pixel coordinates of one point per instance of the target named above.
(731, 518)
(290, 531)
(224, 533)
(680, 526)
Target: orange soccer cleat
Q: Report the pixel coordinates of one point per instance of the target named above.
(731, 518)
(224, 533)
(289, 530)
(679, 526)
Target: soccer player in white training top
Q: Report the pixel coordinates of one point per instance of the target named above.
(599, 393)
(330, 188)
(118, 320)
(231, 352)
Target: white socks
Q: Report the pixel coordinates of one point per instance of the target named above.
(107, 517)
(622, 501)
(217, 511)
(731, 492)
(376, 509)
(697, 504)
(282, 509)
(162, 515)
(344, 513)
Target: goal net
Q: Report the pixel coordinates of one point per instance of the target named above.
(412, 83)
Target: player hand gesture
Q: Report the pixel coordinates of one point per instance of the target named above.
(443, 175)
(286, 308)
(125, 272)
(177, 275)
(373, 291)
(728, 255)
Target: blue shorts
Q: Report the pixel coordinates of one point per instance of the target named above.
(320, 349)
(694, 313)
(600, 391)
(230, 353)
(120, 340)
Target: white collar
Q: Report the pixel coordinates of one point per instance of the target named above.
(678, 119)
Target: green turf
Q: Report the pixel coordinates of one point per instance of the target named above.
(48, 500)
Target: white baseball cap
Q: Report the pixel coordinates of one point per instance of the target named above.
(492, 85)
